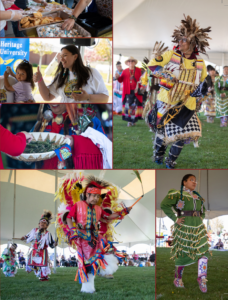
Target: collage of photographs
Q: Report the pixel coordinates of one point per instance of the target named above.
(113, 149)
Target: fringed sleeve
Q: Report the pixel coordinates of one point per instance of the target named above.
(169, 202)
(51, 240)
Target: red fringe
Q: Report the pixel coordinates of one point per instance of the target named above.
(88, 161)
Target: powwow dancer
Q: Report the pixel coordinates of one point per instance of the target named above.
(221, 100)
(41, 239)
(78, 219)
(190, 243)
(10, 263)
(182, 73)
(152, 83)
(117, 90)
(210, 98)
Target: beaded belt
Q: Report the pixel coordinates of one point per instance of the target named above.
(188, 213)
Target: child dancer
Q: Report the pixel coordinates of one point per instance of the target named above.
(41, 239)
(10, 263)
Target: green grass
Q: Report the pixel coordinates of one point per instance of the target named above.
(129, 283)
(217, 278)
(133, 147)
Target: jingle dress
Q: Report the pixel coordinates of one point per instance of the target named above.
(221, 103)
(190, 241)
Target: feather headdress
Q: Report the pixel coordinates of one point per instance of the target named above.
(47, 215)
(92, 180)
(195, 35)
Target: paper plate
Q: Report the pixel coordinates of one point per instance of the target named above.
(59, 139)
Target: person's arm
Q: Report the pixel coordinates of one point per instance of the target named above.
(69, 222)
(118, 215)
(10, 15)
(170, 201)
(203, 214)
(204, 72)
(121, 77)
(43, 89)
(29, 236)
(96, 83)
(12, 144)
(101, 98)
(81, 5)
(72, 230)
(6, 83)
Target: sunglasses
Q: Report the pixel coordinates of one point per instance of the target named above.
(184, 40)
(193, 181)
(131, 61)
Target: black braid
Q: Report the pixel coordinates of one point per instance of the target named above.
(181, 191)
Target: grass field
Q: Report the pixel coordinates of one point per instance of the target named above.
(133, 147)
(129, 283)
(217, 284)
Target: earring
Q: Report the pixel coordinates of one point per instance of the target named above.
(64, 72)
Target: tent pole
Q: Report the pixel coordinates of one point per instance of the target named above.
(208, 202)
(56, 185)
(160, 228)
(14, 203)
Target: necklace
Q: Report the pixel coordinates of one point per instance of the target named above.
(131, 75)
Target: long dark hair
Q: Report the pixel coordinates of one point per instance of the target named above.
(27, 67)
(185, 178)
(82, 71)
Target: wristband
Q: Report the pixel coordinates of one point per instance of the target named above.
(73, 17)
(12, 14)
(73, 233)
(123, 213)
(40, 79)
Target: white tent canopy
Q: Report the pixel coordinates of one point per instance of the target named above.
(140, 23)
(212, 186)
(34, 191)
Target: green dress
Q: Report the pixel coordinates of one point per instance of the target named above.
(221, 103)
(190, 239)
